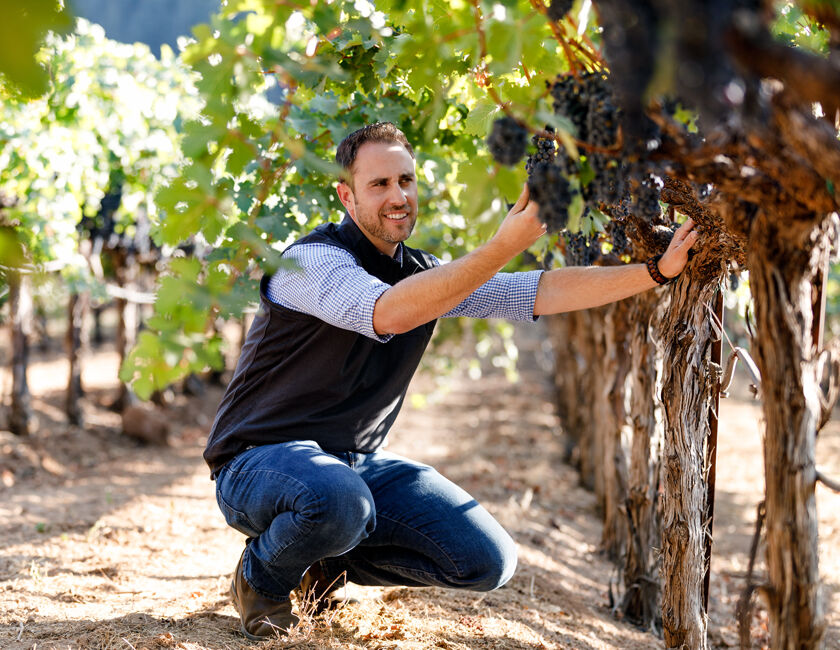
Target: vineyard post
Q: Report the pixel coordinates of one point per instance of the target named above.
(127, 319)
(820, 290)
(711, 450)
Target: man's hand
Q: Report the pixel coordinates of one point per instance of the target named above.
(521, 227)
(674, 259)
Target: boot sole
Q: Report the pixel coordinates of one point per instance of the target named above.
(249, 636)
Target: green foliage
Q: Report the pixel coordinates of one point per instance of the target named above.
(796, 27)
(23, 27)
(280, 84)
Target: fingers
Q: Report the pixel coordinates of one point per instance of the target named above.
(685, 237)
(684, 230)
(675, 257)
(691, 239)
(522, 201)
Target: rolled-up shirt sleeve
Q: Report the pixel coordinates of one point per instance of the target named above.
(505, 295)
(330, 285)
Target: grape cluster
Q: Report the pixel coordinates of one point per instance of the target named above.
(558, 8)
(546, 151)
(589, 103)
(581, 250)
(507, 141)
(550, 188)
(569, 99)
(608, 184)
(704, 191)
(618, 237)
(602, 120)
(646, 199)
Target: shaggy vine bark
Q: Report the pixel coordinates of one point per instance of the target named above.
(76, 341)
(640, 602)
(20, 305)
(128, 319)
(784, 258)
(610, 404)
(688, 384)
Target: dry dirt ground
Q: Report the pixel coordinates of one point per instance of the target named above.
(106, 543)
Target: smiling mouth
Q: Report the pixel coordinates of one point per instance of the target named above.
(397, 215)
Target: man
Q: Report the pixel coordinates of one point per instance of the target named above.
(296, 447)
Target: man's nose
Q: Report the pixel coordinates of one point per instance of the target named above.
(397, 195)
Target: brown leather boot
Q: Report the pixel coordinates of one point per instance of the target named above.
(321, 593)
(261, 617)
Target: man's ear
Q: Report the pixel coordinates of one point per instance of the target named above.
(345, 195)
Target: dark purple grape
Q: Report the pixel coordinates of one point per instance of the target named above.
(558, 8)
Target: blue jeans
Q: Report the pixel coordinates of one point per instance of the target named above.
(379, 517)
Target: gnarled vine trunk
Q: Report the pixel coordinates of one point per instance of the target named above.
(640, 603)
(599, 370)
(128, 320)
(613, 463)
(688, 385)
(581, 380)
(76, 341)
(566, 331)
(783, 259)
(20, 305)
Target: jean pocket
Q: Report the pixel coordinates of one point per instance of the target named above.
(236, 518)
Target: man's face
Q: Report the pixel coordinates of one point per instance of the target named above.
(383, 199)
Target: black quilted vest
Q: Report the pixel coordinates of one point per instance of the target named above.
(299, 378)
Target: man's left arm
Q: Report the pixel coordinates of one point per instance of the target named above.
(573, 288)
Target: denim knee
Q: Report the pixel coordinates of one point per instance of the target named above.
(338, 508)
(493, 568)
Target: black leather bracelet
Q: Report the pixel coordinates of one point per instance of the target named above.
(653, 268)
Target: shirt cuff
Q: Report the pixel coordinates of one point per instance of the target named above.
(366, 312)
(522, 306)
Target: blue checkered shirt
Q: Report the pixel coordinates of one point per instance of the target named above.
(330, 285)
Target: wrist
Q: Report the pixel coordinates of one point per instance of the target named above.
(655, 271)
(499, 250)
(668, 266)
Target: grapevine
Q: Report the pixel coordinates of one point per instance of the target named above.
(507, 141)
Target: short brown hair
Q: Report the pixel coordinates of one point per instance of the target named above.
(345, 155)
